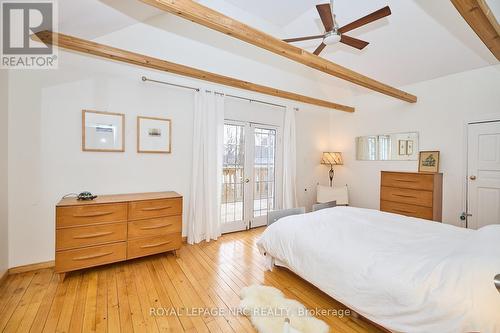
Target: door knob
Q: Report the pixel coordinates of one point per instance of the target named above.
(464, 216)
(247, 180)
(472, 177)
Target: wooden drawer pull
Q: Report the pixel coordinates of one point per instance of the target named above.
(156, 208)
(93, 256)
(404, 211)
(96, 214)
(156, 226)
(405, 180)
(155, 245)
(405, 196)
(93, 235)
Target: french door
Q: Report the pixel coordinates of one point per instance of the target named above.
(250, 166)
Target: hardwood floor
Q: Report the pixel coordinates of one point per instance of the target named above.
(119, 297)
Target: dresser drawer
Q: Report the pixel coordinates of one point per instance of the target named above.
(70, 238)
(154, 208)
(151, 245)
(408, 180)
(90, 256)
(406, 209)
(154, 227)
(413, 197)
(90, 214)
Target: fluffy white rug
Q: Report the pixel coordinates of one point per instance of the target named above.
(268, 309)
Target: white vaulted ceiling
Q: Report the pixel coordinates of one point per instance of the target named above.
(421, 40)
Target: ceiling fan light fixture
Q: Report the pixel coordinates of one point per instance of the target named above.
(333, 37)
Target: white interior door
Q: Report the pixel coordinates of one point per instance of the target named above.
(250, 165)
(483, 190)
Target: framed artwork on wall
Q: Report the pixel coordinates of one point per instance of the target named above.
(402, 150)
(154, 135)
(103, 131)
(428, 161)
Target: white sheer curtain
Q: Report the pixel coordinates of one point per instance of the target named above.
(289, 160)
(203, 218)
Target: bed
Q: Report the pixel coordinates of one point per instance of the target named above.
(405, 274)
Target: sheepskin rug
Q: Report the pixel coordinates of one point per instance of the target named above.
(268, 310)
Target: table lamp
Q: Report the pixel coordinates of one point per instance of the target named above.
(332, 158)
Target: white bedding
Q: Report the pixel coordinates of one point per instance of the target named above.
(406, 274)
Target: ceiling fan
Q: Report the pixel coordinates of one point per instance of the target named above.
(333, 34)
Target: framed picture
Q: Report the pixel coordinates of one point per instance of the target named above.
(103, 131)
(402, 147)
(409, 147)
(154, 135)
(428, 161)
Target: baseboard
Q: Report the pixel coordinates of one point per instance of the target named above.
(31, 267)
(3, 276)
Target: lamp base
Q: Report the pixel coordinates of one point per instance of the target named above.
(331, 173)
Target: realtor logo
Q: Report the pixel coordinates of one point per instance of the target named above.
(20, 20)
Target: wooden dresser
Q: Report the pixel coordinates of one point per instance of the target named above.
(114, 228)
(412, 194)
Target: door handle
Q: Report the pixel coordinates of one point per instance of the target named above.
(472, 177)
(464, 216)
(247, 180)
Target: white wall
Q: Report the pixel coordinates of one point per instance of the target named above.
(4, 257)
(45, 157)
(443, 106)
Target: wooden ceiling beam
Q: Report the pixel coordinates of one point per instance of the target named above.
(482, 20)
(113, 53)
(212, 19)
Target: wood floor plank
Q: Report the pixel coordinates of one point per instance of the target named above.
(126, 323)
(167, 292)
(158, 298)
(89, 321)
(14, 299)
(138, 321)
(36, 303)
(40, 279)
(56, 307)
(44, 309)
(74, 284)
(112, 300)
(78, 314)
(101, 309)
(119, 297)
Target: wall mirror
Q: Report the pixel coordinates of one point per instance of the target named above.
(387, 147)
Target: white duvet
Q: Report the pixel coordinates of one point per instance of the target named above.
(406, 274)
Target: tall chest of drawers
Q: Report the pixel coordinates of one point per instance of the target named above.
(412, 194)
(114, 228)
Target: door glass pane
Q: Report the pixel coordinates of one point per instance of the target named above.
(264, 171)
(233, 173)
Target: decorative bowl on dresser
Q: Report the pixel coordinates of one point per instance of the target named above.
(412, 194)
(115, 228)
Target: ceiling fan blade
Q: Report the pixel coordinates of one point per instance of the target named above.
(319, 49)
(376, 15)
(325, 13)
(298, 39)
(354, 42)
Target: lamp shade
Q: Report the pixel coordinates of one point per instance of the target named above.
(332, 158)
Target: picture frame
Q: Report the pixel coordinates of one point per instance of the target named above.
(428, 161)
(103, 131)
(409, 147)
(402, 150)
(154, 135)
